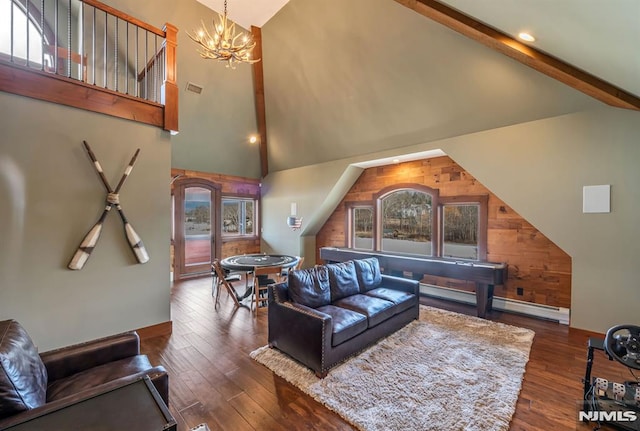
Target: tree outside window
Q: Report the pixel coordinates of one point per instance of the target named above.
(362, 228)
(238, 217)
(460, 231)
(406, 222)
(414, 219)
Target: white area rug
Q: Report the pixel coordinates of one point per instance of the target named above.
(446, 371)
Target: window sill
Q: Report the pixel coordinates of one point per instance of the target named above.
(239, 238)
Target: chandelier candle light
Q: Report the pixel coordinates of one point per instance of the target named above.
(224, 44)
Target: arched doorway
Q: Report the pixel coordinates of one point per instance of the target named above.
(195, 227)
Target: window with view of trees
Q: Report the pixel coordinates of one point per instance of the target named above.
(238, 217)
(414, 219)
(406, 222)
(362, 226)
(460, 231)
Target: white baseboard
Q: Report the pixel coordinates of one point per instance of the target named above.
(558, 314)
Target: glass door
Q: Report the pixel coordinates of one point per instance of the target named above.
(195, 223)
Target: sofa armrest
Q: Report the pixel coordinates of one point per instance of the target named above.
(402, 284)
(157, 373)
(278, 292)
(73, 359)
(300, 331)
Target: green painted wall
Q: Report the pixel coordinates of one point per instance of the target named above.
(214, 126)
(51, 196)
(345, 78)
(349, 81)
(316, 190)
(345, 82)
(539, 168)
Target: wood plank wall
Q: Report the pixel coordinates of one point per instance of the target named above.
(230, 186)
(536, 264)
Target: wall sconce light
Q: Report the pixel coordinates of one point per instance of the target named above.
(293, 221)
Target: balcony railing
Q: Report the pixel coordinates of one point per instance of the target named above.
(86, 54)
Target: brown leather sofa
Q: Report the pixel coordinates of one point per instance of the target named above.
(323, 315)
(32, 384)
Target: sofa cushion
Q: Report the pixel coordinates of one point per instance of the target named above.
(95, 376)
(368, 272)
(342, 279)
(310, 287)
(346, 323)
(377, 310)
(23, 376)
(403, 300)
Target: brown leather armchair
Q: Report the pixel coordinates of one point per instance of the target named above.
(32, 384)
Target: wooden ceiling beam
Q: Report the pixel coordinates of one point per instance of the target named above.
(258, 88)
(538, 60)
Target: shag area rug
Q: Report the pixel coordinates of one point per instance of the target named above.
(445, 371)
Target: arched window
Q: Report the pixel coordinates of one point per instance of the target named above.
(21, 37)
(414, 219)
(406, 220)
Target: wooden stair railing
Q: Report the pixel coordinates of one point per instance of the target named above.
(62, 56)
(54, 81)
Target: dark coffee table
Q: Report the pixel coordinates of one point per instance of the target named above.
(135, 406)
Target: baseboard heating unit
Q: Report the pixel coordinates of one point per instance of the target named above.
(557, 314)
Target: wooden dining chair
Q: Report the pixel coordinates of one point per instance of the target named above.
(298, 265)
(220, 278)
(263, 276)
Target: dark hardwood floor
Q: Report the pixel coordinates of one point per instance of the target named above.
(213, 380)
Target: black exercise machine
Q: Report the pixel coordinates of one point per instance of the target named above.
(617, 404)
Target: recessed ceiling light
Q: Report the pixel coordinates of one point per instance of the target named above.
(253, 139)
(526, 37)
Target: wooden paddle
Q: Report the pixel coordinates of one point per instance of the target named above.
(91, 238)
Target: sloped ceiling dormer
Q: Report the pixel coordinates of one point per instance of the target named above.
(346, 78)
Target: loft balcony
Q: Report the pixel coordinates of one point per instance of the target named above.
(88, 55)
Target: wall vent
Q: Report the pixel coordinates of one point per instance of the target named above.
(194, 88)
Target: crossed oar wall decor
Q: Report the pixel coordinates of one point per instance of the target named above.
(113, 199)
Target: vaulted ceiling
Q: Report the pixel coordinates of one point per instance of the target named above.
(599, 37)
(364, 76)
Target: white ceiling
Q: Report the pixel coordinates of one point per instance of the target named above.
(601, 37)
(247, 12)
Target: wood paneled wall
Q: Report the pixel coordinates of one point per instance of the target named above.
(536, 264)
(230, 186)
